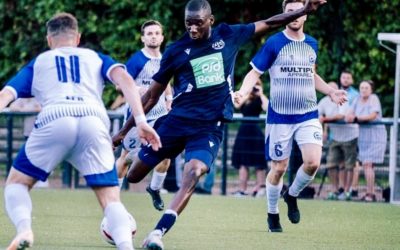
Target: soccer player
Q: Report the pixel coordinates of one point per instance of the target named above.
(142, 66)
(290, 57)
(73, 125)
(201, 63)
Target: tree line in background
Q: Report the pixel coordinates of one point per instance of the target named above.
(346, 30)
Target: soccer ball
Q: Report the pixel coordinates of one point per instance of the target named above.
(105, 232)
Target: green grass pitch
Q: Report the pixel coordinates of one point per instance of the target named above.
(69, 219)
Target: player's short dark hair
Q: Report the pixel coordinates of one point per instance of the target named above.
(62, 23)
(286, 2)
(149, 23)
(196, 5)
(346, 71)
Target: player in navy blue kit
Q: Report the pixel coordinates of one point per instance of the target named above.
(290, 56)
(73, 125)
(201, 64)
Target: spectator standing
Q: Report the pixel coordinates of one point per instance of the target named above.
(248, 150)
(330, 112)
(373, 138)
(342, 152)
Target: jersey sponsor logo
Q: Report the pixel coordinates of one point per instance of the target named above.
(187, 51)
(218, 45)
(297, 71)
(208, 70)
(146, 82)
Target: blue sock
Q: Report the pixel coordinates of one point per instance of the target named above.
(167, 221)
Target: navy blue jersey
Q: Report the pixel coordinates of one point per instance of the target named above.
(203, 72)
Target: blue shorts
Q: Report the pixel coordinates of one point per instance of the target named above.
(200, 140)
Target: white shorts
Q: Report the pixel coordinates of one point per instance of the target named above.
(131, 141)
(279, 137)
(83, 141)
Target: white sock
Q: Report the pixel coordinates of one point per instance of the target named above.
(300, 182)
(118, 224)
(18, 205)
(273, 194)
(157, 180)
(120, 182)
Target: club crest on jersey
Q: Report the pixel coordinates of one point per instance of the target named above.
(312, 59)
(187, 51)
(218, 45)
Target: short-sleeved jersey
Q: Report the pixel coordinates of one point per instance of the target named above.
(142, 66)
(66, 81)
(291, 66)
(203, 72)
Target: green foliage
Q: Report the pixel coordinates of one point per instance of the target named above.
(347, 36)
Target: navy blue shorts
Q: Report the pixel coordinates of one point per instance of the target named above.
(200, 140)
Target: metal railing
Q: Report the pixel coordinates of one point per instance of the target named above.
(8, 117)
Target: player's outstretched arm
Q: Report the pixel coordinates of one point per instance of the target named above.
(249, 82)
(128, 87)
(338, 96)
(6, 96)
(284, 18)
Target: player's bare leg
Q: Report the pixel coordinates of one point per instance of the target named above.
(122, 164)
(193, 170)
(18, 205)
(137, 171)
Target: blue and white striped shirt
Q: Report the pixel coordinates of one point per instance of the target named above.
(291, 66)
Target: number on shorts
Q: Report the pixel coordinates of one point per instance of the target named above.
(278, 150)
(62, 70)
(132, 143)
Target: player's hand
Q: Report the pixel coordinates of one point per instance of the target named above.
(117, 140)
(338, 96)
(349, 118)
(168, 104)
(148, 135)
(312, 5)
(238, 97)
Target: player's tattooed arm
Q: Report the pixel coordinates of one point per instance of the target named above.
(279, 20)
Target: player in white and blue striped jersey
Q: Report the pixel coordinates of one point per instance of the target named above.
(73, 126)
(290, 57)
(142, 65)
